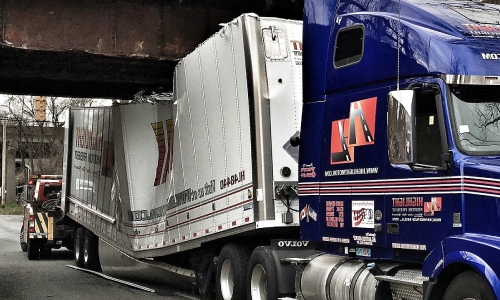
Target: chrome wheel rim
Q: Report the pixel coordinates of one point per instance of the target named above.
(77, 248)
(258, 283)
(227, 280)
(86, 251)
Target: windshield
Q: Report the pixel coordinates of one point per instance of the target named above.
(476, 110)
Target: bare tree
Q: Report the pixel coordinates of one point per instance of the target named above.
(38, 144)
(57, 106)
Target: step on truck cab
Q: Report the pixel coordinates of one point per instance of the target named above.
(399, 165)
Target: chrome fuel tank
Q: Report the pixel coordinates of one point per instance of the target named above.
(341, 278)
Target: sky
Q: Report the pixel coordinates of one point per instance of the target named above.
(97, 102)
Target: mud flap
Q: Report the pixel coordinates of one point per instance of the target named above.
(203, 265)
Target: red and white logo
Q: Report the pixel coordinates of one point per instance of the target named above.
(358, 130)
(165, 152)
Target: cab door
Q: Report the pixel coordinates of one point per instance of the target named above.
(418, 189)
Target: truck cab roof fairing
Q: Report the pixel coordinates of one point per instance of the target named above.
(433, 34)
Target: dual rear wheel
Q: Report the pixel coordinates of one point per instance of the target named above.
(262, 275)
(231, 272)
(240, 275)
(86, 250)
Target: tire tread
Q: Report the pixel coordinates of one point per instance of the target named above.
(241, 253)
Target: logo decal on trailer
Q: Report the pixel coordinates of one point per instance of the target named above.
(358, 130)
(164, 167)
(297, 52)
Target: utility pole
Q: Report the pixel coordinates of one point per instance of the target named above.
(4, 159)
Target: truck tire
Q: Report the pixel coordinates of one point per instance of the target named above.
(230, 276)
(79, 240)
(91, 252)
(24, 245)
(33, 249)
(261, 277)
(468, 285)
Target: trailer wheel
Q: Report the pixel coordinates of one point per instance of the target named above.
(262, 275)
(468, 285)
(91, 252)
(79, 240)
(231, 272)
(24, 245)
(33, 249)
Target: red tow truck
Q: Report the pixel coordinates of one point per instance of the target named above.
(39, 231)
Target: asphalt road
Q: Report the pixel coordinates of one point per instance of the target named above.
(21, 278)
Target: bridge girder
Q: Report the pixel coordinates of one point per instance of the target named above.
(109, 48)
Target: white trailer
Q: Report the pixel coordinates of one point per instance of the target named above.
(208, 176)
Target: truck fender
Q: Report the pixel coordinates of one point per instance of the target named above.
(285, 272)
(478, 264)
(434, 262)
(479, 252)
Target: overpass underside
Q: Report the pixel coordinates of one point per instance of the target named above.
(109, 48)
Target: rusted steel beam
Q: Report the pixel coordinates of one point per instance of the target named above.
(154, 28)
(80, 74)
(55, 47)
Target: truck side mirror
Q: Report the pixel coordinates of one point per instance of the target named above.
(400, 127)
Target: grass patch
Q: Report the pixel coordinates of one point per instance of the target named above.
(11, 208)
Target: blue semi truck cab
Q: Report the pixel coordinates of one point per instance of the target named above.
(399, 159)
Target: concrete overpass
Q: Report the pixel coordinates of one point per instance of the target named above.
(109, 48)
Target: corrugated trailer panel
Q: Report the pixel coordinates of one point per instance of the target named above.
(215, 108)
(89, 168)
